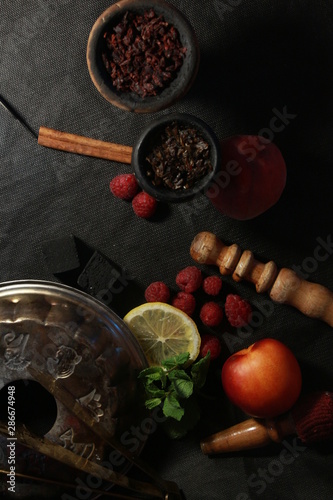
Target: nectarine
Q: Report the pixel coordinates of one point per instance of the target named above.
(263, 380)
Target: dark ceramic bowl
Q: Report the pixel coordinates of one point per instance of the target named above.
(151, 137)
(131, 101)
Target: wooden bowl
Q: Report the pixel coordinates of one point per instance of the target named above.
(151, 136)
(128, 100)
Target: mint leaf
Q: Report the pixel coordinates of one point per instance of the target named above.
(199, 371)
(178, 429)
(182, 383)
(176, 361)
(172, 386)
(153, 374)
(172, 407)
(174, 374)
(153, 391)
(152, 403)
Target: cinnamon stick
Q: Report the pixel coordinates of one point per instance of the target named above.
(81, 145)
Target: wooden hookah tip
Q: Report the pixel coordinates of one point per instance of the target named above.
(311, 419)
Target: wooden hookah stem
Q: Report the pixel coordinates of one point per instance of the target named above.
(283, 286)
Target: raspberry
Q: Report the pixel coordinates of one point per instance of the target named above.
(184, 301)
(212, 285)
(124, 186)
(157, 292)
(212, 344)
(211, 314)
(189, 279)
(237, 310)
(144, 205)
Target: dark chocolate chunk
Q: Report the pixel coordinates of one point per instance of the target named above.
(61, 254)
(98, 276)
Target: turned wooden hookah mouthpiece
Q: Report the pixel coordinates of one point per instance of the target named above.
(283, 286)
(311, 419)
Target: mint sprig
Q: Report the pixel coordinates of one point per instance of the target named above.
(174, 386)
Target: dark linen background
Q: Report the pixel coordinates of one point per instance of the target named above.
(259, 60)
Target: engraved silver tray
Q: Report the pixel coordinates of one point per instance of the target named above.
(70, 336)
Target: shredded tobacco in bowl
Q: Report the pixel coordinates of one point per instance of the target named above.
(180, 158)
(143, 53)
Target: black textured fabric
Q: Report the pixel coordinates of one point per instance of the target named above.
(259, 60)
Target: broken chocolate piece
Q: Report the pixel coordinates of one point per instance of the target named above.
(61, 254)
(98, 276)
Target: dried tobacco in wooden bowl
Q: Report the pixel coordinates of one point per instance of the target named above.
(142, 56)
(143, 53)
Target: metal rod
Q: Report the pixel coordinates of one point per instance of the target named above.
(17, 116)
(67, 457)
(62, 484)
(65, 397)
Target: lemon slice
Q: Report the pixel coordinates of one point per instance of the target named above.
(163, 331)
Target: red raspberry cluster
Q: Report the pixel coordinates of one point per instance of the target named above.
(189, 280)
(211, 313)
(126, 187)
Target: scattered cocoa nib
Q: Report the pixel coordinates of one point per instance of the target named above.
(180, 159)
(143, 53)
